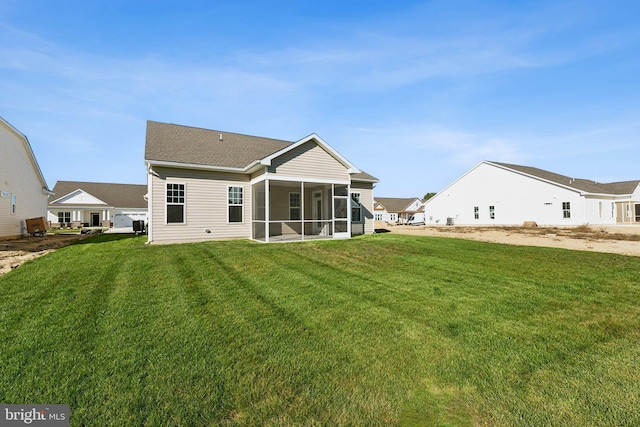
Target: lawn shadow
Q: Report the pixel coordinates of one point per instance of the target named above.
(104, 238)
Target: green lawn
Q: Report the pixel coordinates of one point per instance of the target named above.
(377, 330)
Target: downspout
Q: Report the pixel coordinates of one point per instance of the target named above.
(267, 208)
(302, 208)
(149, 204)
(349, 209)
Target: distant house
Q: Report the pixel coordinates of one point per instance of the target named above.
(494, 193)
(23, 189)
(96, 204)
(397, 209)
(209, 185)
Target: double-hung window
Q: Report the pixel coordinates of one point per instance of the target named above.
(236, 204)
(476, 212)
(492, 212)
(64, 217)
(295, 207)
(356, 208)
(566, 209)
(175, 203)
(14, 203)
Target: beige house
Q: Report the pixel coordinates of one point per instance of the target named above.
(210, 185)
(397, 209)
(23, 189)
(96, 204)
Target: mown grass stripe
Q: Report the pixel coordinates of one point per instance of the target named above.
(378, 330)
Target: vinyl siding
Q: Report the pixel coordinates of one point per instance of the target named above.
(205, 206)
(366, 200)
(309, 161)
(516, 198)
(18, 176)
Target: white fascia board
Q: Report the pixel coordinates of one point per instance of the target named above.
(84, 207)
(373, 181)
(270, 177)
(177, 165)
(76, 192)
(66, 195)
(351, 168)
(605, 196)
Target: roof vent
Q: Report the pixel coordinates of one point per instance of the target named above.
(220, 137)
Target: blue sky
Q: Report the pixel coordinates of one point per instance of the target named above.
(413, 92)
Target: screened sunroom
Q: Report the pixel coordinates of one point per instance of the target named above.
(290, 211)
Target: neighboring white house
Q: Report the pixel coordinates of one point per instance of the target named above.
(494, 193)
(96, 204)
(23, 189)
(397, 209)
(210, 185)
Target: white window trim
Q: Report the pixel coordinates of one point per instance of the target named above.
(184, 205)
(229, 204)
(294, 207)
(566, 210)
(358, 205)
(63, 217)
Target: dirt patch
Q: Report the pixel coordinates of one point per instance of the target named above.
(620, 239)
(14, 253)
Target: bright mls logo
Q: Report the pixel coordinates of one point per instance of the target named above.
(37, 415)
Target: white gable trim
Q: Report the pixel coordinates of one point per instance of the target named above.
(177, 165)
(30, 154)
(326, 147)
(61, 200)
(274, 177)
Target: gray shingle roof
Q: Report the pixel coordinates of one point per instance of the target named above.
(363, 176)
(116, 195)
(585, 185)
(196, 146)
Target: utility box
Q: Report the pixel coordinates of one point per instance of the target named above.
(449, 221)
(37, 226)
(138, 227)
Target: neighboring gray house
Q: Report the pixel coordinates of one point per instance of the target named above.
(495, 193)
(210, 185)
(96, 204)
(23, 189)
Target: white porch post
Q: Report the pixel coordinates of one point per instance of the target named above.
(333, 210)
(349, 209)
(266, 210)
(302, 208)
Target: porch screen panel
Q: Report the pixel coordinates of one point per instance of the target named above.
(258, 213)
(340, 208)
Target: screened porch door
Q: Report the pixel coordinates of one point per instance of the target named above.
(318, 224)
